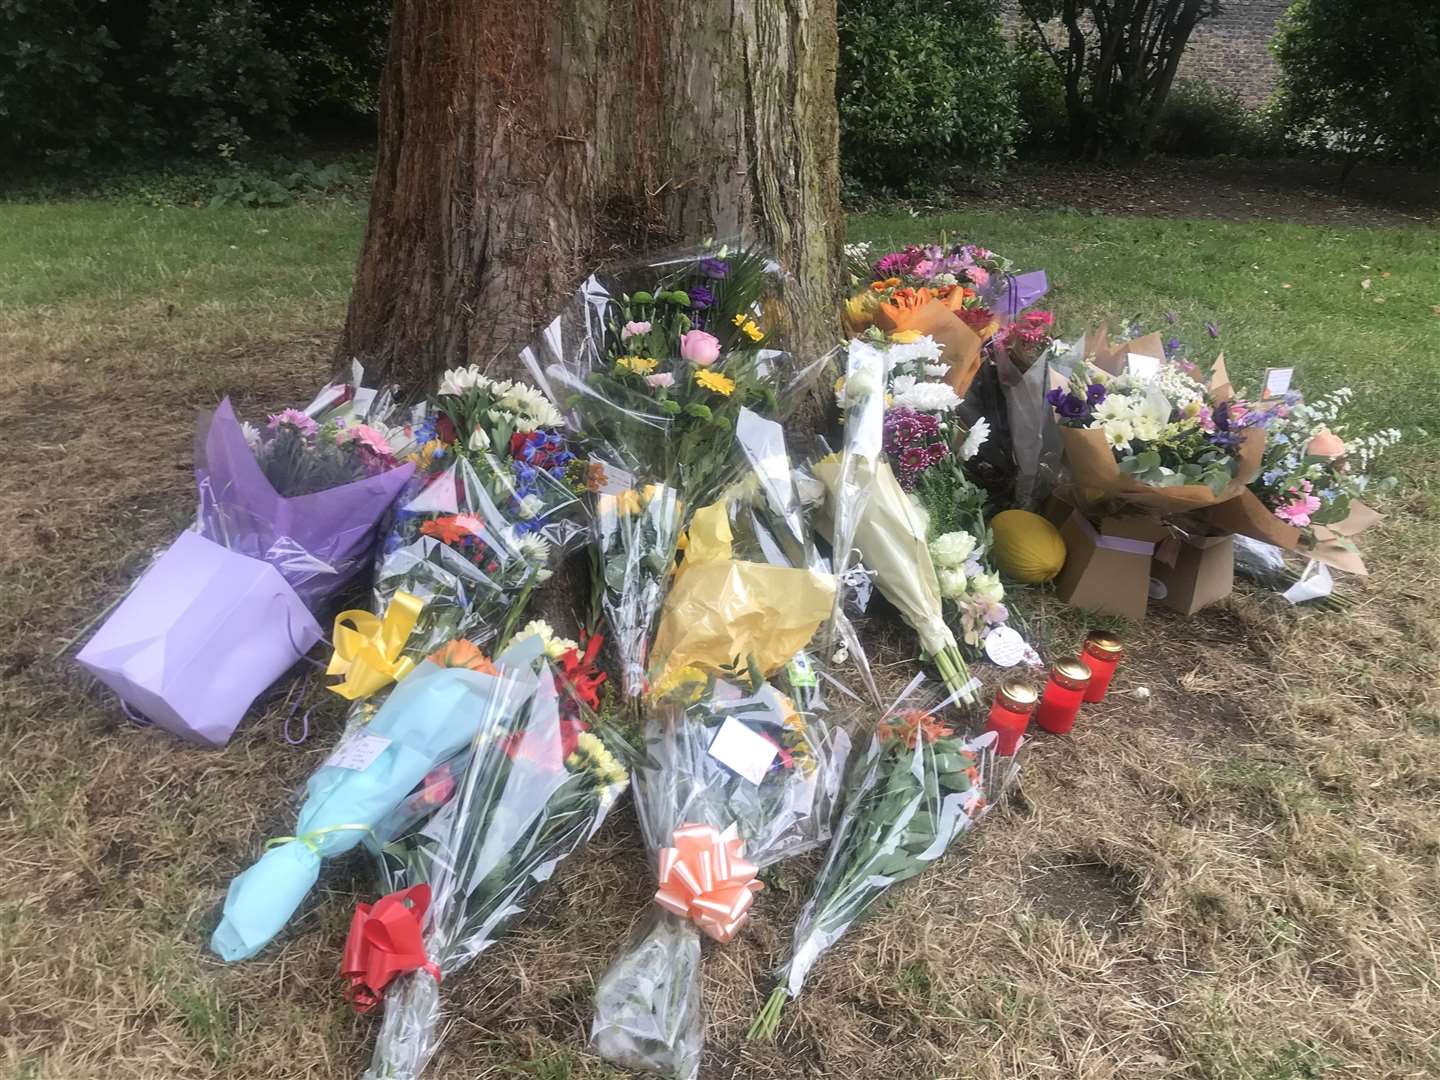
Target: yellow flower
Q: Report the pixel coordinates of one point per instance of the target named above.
(628, 502)
(425, 456)
(905, 337)
(713, 380)
(753, 331)
(640, 365)
(739, 320)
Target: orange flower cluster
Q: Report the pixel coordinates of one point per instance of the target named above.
(913, 722)
(462, 654)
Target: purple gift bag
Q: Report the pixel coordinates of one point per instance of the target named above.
(201, 635)
(1017, 293)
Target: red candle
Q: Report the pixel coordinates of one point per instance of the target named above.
(1102, 653)
(1063, 694)
(1010, 714)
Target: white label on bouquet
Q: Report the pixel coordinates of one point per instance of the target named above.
(1142, 367)
(1005, 646)
(1277, 381)
(743, 751)
(357, 752)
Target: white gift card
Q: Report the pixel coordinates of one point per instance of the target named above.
(1005, 646)
(1277, 381)
(743, 751)
(364, 398)
(357, 752)
(1314, 583)
(1142, 367)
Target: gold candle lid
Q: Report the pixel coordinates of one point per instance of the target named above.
(1105, 643)
(1018, 694)
(1072, 673)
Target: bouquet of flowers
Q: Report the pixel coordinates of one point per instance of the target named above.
(431, 715)
(873, 516)
(735, 774)
(1306, 497)
(653, 372)
(917, 787)
(1150, 433)
(1026, 340)
(287, 516)
(466, 856)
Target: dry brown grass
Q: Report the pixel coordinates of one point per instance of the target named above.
(1235, 879)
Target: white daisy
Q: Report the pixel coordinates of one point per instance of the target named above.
(928, 397)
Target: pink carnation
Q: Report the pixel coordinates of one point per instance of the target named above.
(979, 276)
(660, 380)
(632, 329)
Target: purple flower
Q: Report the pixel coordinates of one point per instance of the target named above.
(714, 268)
(1172, 346)
(1094, 394)
(700, 297)
(1055, 397)
(1212, 329)
(914, 458)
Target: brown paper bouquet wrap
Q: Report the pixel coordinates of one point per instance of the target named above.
(1248, 516)
(1096, 476)
(959, 345)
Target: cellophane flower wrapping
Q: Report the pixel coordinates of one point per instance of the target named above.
(648, 1008)
(486, 834)
(874, 520)
(916, 786)
(652, 365)
(306, 496)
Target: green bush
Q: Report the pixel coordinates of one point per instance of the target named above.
(1201, 120)
(1362, 79)
(82, 80)
(1041, 98)
(926, 93)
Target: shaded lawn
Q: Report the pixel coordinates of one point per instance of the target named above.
(1234, 881)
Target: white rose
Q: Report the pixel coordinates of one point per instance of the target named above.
(952, 549)
(952, 583)
(987, 587)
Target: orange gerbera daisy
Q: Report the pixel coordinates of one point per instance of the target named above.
(463, 654)
(448, 530)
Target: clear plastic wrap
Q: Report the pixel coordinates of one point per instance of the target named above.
(648, 1010)
(918, 786)
(536, 784)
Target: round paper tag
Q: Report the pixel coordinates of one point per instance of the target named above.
(1157, 589)
(1004, 646)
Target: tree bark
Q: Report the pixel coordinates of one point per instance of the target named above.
(520, 148)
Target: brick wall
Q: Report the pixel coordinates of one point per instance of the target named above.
(1230, 50)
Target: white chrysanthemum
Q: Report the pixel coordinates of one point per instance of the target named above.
(974, 439)
(1147, 428)
(534, 549)
(857, 250)
(923, 348)
(928, 397)
(952, 583)
(937, 371)
(251, 433)
(1114, 407)
(902, 384)
(1118, 433)
(522, 398)
(952, 549)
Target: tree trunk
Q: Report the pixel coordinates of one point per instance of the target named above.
(522, 147)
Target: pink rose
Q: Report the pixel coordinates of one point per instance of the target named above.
(700, 348)
(979, 276)
(660, 379)
(632, 328)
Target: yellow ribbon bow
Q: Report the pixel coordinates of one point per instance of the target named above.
(367, 652)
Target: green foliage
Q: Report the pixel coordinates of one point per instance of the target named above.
(1116, 65)
(925, 92)
(82, 80)
(1201, 120)
(1362, 79)
(1041, 98)
(258, 189)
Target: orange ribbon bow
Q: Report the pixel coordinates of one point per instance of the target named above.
(384, 942)
(706, 878)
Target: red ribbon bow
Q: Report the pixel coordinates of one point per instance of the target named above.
(384, 942)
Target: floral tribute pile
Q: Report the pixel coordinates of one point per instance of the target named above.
(716, 676)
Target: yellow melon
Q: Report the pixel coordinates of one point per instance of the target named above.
(1026, 546)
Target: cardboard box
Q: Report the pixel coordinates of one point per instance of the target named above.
(1193, 571)
(1107, 567)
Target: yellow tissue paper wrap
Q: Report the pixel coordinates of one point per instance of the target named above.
(722, 610)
